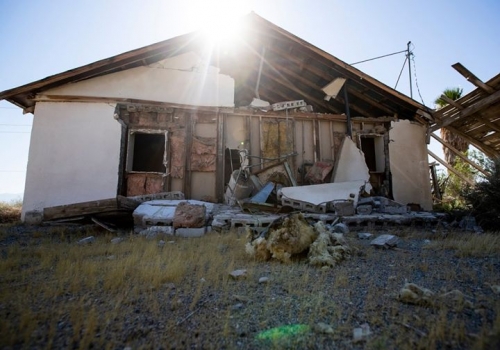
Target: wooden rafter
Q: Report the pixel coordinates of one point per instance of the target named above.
(466, 112)
(459, 154)
(472, 78)
(450, 168)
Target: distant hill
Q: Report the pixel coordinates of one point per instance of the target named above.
(11, 197)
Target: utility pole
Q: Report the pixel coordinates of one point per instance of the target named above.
(408, 56)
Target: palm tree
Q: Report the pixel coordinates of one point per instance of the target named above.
(455, 140)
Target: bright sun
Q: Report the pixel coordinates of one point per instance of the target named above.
(219, 19)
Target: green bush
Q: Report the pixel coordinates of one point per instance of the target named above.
(484, 198)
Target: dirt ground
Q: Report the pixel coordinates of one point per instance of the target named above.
(177, 294)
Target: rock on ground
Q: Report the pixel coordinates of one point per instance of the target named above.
(189, 215)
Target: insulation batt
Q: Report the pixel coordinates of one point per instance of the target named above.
(295, 236)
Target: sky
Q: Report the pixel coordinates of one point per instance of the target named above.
(41, 38)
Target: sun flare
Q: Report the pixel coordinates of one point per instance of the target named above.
(220, 20)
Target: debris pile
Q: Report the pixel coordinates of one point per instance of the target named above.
(292, 236)
(328, 249)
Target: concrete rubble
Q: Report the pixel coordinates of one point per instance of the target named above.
(385, 241)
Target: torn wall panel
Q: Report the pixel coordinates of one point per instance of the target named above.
(351, 165)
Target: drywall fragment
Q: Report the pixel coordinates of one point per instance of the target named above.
(86, 240)
(351, 165)
(323, 328)
(314, 197)
(385, 241)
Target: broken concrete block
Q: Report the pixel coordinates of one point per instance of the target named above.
(385, 241)
(190, 232)
(364, 209)
(153, 231)
(364, 235)
(117, 240)
(344, 208)
(263, 280)
(361, 333)
(189, 215)
(86, 240)
(238, 274)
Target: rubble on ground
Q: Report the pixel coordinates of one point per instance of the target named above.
(416, 295)
(328, 249)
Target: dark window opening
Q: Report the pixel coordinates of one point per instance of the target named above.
(149, 150)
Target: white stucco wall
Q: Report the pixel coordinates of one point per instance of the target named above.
(409, 164)
(184, 79)
(74, 155)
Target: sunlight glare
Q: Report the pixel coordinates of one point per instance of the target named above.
(220, 20)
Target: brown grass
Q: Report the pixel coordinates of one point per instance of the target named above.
(470, 244)
(10, 212)
(57, 294)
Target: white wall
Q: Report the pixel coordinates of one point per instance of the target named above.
(184, 79)
(409, 164)
(74, 155)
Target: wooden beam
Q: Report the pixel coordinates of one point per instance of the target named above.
(476, 107)
(452, 102)
(459, 154)
(80, 209)
(450, 168)
(472, 78)
(490, 152)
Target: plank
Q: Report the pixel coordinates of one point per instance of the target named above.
(459, 154)
(472, 78)
(79, 209)
(450, 168)
(476, 107)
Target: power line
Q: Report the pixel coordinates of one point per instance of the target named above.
(15, 124)
(416, 81)
(8, 107)
(15, 132)
(12, 171)
(376, 58)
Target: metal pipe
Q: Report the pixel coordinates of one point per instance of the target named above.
(408, 54)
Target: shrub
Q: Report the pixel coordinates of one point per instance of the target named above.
(10, 212)
(483, 199)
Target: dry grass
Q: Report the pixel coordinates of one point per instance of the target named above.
(470, 244)
(57, 294)
(10, 212)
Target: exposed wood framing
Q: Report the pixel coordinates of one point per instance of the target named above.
(472, 78)
(466, 112)
(450, 168)
(459, 154)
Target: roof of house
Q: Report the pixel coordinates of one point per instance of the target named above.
(292, 69)
(475, 116)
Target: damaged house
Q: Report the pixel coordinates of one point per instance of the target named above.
(175, 116)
